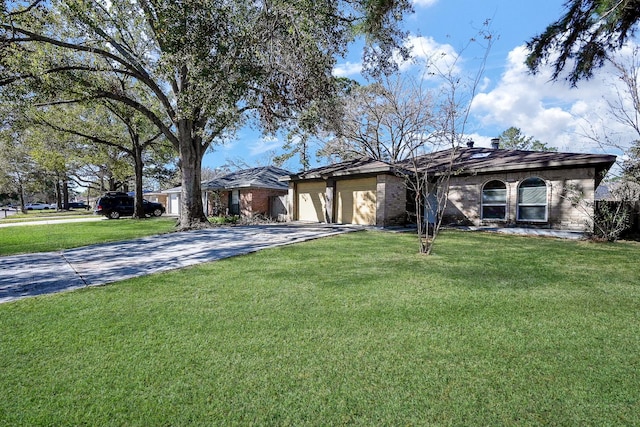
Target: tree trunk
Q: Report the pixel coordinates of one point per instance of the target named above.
(23, 209)
(191, 153)
(138, 208)
(58, 194)
(65, 192)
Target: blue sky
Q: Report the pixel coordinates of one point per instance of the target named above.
(552, 112)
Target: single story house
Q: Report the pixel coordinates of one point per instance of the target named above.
(154, 196)
(246, 192)
(487, 187)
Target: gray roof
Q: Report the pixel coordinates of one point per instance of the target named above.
(260, 177)
(487, 160)
(361, 166)
(466, 161)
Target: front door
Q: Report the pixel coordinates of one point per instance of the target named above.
(234, 202)
(431, 207)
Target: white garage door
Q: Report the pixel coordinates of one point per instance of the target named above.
(311, 201)
(174, 204)
(356, 201)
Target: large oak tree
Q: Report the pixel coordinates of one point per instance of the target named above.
(210, 64)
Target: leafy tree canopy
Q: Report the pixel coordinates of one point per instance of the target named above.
(210, 65)
(588, 31)
(513, 139)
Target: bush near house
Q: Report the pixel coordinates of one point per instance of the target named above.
(224, 220)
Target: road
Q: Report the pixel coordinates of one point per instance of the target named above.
(6, 212)
(53, 220)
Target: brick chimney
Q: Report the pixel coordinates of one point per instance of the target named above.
(495, 143)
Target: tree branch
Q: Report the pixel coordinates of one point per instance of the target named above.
(139, 74)
(95, 139)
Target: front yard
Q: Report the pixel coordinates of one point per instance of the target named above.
(55, 237)
(355, 329)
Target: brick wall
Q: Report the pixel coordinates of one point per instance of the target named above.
(253, 201)
(246, 201)
(260, 200)
(391, 200)
(465, 198)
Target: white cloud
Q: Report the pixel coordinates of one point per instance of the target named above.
(424, 3)
(425, 51)
(441, 58)
(552, 112)
(347, 69)
(264, 145)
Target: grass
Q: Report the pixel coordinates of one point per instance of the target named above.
(54, 237)
(356, 329)
(43, 215)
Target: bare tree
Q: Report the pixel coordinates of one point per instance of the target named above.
(432, 159)
(619, 127)
(382, 121)
(416, 125)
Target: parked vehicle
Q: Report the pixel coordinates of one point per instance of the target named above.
(78, 205)
(37, 206)
(71, 205)
(113, 205)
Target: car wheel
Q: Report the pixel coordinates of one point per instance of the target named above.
(157, 212)
(114, 215)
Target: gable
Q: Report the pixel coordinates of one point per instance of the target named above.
(267, 177)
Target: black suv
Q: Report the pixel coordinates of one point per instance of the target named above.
(113, 205)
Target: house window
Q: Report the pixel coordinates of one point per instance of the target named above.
(532, 200)
(494, 200)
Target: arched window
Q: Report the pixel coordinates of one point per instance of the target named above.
(532, 200)
(494, 200)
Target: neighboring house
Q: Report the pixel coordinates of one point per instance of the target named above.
(488, 187)
(247, 192)
(153, 196)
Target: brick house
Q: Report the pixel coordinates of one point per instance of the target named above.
(246, 192)
(488, 187)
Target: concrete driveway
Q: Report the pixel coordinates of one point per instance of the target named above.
(28, 275)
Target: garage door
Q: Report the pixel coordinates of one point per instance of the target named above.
(356, 201)
(174, 204)
(311, 201)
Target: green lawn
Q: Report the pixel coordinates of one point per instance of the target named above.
(54, 237)
(356, 329)
(43, 215)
